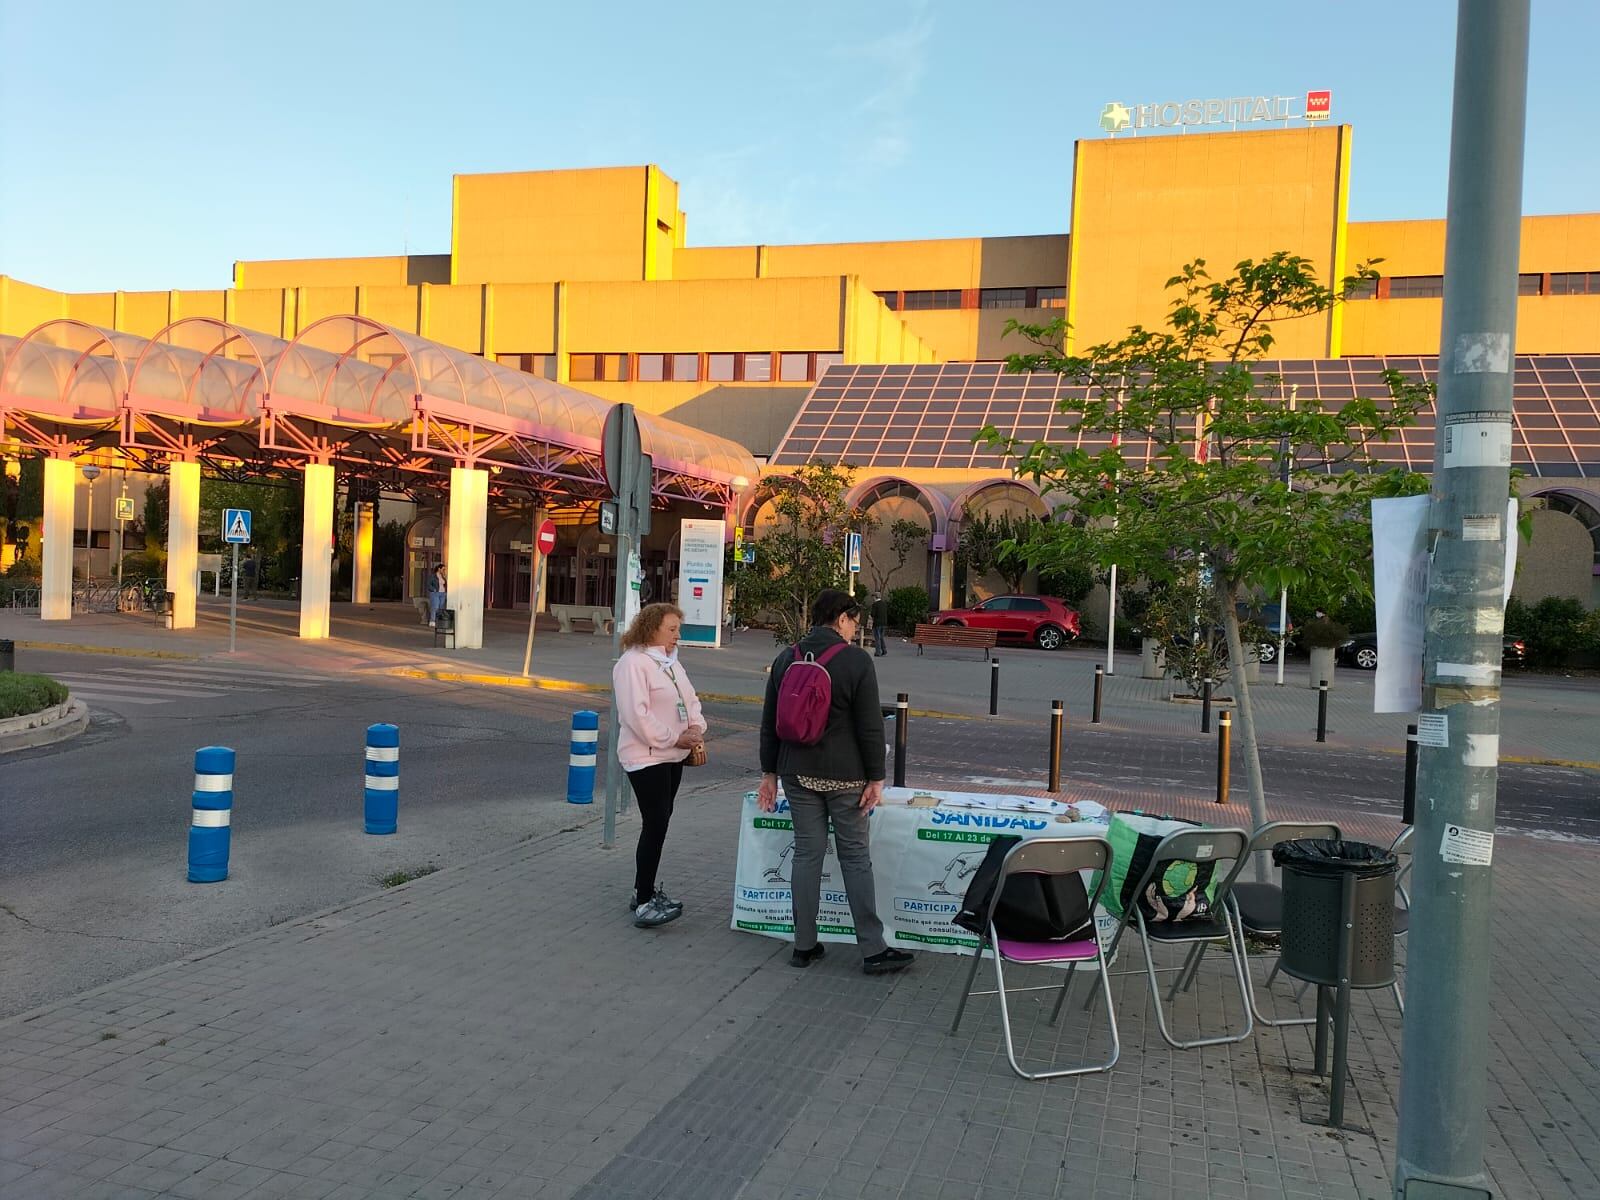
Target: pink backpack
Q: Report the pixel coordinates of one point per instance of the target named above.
(805, 693)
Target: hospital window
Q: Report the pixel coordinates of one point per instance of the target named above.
(757, 368)
(890, 299)
(542, 365)
(1530, 284)
(598, 368)
(1006, 297)
(722, 368)
(685, 366)
(1051, 297)
(1416, 287)
(794, 367)
(1575, 283)
(941, 298)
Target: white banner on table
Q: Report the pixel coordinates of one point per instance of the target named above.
(1400, 592)
(700, 553)
(923, 859)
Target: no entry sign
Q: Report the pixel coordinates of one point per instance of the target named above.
(547, 537)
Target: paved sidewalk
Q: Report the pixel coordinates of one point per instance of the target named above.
(1543, 719)
(501, 1030)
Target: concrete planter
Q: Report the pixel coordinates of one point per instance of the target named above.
(1151, 665)
(53, 724)
(1321, 666)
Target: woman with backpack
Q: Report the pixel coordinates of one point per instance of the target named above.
(659, 727)
(822, 732)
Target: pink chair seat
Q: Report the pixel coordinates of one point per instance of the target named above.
(1035, 952)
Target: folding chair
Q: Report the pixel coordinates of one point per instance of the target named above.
(1258, 907)
(1196, 846)
(1401, 846)
(1046, 856)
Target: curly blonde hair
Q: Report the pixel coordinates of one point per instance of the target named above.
(647, 624)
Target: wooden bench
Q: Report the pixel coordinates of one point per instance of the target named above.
(599, 618)
(954, 635)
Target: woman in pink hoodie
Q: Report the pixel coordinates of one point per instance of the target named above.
(659, 725)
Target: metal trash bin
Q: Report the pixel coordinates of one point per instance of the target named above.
(1314, 871)
(444, 629)
(8, 655)
(169, 601)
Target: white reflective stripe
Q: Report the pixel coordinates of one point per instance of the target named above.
(213, 818)
(383, 753)
(590, 736)
(581, 760)
(213, 783)
(383, 783)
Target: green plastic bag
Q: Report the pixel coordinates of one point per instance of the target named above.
(1183, 892)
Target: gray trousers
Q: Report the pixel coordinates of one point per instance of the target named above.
(811, 812)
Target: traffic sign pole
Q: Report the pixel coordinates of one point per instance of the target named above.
(233, 600)
(544, 541)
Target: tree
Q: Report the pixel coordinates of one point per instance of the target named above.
(995, 545)
(802, 550)
(905, 535)
(1186, 466)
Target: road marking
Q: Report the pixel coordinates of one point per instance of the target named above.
(292, 678)
(113, 686)
(99, 698)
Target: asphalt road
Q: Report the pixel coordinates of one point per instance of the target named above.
(93, 832)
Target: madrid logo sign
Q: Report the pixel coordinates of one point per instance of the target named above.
(1118, 117)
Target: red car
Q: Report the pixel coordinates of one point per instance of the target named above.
(1043, 620)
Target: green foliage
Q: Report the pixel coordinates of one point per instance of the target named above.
(24, 694)
(388, 560)
(1322, 633)
(1557, 630)
(905, 535)
(1185, 617)
(1067, 581)
(996, 545)
(155, 513)
(907, 607)
(802, 550)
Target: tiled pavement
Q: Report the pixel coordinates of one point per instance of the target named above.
(500, 1029)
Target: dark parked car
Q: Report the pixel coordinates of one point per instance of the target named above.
(1043, 620)
(1362, 651)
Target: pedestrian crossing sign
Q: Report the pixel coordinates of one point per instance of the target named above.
(236, 526)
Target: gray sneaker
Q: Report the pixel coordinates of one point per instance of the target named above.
(658, 910)
(633, 900)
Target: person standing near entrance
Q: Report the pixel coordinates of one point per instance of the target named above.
(437, 591)
(880, 625)
(659, 726)
(837, 778)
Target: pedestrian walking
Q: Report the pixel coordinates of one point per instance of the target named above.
(835, 776)
(247, 571)
(659, 728)
(880, 625)
(438, 589)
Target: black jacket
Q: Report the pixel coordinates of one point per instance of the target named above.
(852, 743)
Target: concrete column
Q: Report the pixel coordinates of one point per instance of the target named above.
(469, 514)
(183, 540)
(361, 567)
(55, 597)
(316, 551)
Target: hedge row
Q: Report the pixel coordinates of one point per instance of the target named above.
(24, 694)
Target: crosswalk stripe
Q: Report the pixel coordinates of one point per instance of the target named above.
(99, 698)
(166, 678)
(113, 686)
(220, 680)
(244, 670)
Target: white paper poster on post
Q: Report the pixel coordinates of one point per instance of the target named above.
(700, 551)
(1400, 594)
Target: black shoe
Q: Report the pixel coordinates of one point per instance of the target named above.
(804, 958)
(887, 962)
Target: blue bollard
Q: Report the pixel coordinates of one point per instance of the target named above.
(581, 760)
(383, 779)
(210, 831)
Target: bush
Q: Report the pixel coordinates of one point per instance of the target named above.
(907, 606)
(24, 694)
(1070, 583)
(1319, 633)
(1554, 630)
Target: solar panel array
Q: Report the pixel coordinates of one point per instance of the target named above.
(900, 416)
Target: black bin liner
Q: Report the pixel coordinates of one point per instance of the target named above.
(1314, 870)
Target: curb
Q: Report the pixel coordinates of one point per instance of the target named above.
(60, 722)
(118, 651)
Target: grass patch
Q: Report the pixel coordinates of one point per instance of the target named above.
(406, 875)
(21, 695)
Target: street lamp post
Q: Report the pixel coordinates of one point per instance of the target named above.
(91, 473)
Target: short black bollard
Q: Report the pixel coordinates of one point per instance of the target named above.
(1322, 711)
(994, 687)
(902, 719)
(1099, 680)
(1408, 807)
(8, 655)
(1224, 755)
(1205, 707)
(1058, 719)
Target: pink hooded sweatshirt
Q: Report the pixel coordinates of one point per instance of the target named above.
(648, 693)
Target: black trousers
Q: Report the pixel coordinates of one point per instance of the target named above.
(654, 788)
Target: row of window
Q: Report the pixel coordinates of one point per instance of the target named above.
(783, 366)
(1431, 287)
(1004, 297)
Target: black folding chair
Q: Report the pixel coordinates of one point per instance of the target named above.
(1197, 846)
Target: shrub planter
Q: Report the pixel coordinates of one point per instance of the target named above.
(1150, 659)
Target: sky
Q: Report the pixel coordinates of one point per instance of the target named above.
(148, 146)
